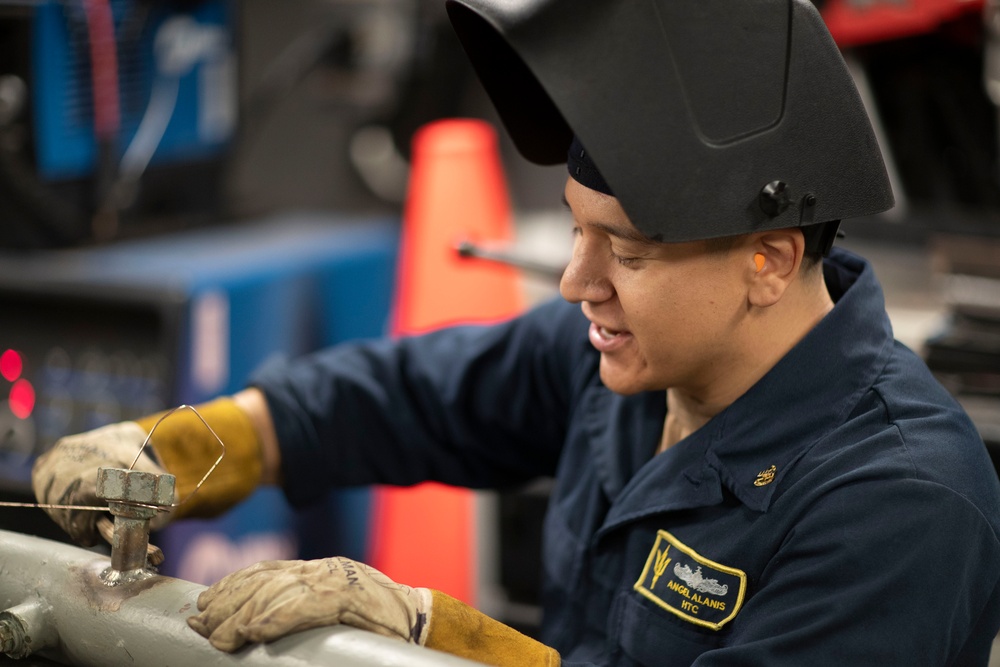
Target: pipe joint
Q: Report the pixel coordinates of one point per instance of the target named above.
(26, 628)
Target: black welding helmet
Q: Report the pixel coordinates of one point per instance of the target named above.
(706, 118)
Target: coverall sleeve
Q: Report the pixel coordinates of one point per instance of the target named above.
(477, 406)
(851, 586)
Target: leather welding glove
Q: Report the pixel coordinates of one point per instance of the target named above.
(181, 445)
(272, 599)
(67, 474)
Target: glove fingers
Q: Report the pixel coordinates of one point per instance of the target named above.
(223, 625)
(81, 525)
(228, 635)
(196, 624)
(244, 595)
(272, 613)
(304, 610)
(225, 601)
(232, 590)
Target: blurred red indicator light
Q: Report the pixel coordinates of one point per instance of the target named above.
(22, 399)
(10, 365)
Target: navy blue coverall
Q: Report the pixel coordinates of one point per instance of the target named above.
(843, 511)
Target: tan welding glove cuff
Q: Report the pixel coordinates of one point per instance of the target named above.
(187, 449)
(461, 630)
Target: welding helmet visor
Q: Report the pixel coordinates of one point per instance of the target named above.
(706, 118)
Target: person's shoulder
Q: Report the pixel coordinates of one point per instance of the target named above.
(918, 405)
(936, 436)
(907, 427)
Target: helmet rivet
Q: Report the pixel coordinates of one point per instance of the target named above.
(773, 198)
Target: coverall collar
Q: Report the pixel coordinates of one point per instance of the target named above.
(831, 367)
(748, 447)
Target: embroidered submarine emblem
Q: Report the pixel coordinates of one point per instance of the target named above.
(693, 588)
(698, 582)
(765, 477)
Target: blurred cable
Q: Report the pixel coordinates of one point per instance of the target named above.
(104, 87)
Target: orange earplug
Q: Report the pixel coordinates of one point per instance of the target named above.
(759, 260)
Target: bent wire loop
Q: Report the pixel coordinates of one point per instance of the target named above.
(215, 465)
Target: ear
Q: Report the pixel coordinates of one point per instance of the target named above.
(773, 260)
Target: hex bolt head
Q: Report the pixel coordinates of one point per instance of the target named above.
(135, 486)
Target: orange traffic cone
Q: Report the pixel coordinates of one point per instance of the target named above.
(425, 535)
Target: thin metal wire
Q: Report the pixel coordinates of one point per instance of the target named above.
(215, 465)
(86, 508)
(45, 506)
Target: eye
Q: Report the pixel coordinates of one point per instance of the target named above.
(626, 257)
(628, 262)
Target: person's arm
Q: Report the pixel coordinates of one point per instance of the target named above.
(480, 406)
(473, 405)
(252, 402)
(466, 405)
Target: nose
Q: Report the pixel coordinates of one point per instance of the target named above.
(585, 278)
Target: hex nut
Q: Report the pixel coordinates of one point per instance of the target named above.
(14, 642)
(135, 486)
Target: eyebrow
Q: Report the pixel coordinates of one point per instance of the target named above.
(629, 233)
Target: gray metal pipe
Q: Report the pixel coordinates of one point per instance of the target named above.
(58, 607)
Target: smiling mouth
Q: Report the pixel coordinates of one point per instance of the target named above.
(607, 333)
(608, 340)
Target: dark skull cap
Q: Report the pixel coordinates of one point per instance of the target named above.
(583, 170)
(706, 118)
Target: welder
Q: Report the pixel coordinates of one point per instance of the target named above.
(749, 469)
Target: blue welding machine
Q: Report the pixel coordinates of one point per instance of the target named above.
(176, 84)
(103, 334)
(115, 116)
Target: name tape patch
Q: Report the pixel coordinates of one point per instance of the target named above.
(689, 585)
